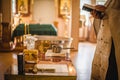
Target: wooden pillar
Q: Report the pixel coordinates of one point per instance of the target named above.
(6, 36)
(6, 11)
(0, 5)
(0, 21)
(75, 17)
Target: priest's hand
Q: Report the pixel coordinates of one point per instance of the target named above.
(98, 12)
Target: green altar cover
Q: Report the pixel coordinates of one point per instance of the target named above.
(35, 29)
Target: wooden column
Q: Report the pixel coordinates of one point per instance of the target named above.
(6, 11)
(0, 21)
(0, 6)
(75, 17)
(6, 36)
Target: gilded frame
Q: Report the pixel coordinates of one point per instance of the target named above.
(64, 7)
(23, 7)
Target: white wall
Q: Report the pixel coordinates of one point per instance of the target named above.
(44, 11)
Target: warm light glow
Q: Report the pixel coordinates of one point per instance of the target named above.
(71, 69)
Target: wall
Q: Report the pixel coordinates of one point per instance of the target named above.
(44, 11)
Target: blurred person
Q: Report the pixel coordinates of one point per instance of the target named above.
(106, 64)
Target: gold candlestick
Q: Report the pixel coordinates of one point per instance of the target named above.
(28, 29)
(25, 28)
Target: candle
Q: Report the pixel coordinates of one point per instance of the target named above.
(28, 29)
(25, 29)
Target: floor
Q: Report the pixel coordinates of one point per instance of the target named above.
(81, 59)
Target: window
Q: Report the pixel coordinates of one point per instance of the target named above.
(13, 6)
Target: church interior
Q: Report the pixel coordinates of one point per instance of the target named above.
(51, 40)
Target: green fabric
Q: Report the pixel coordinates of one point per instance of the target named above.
(35, 29)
